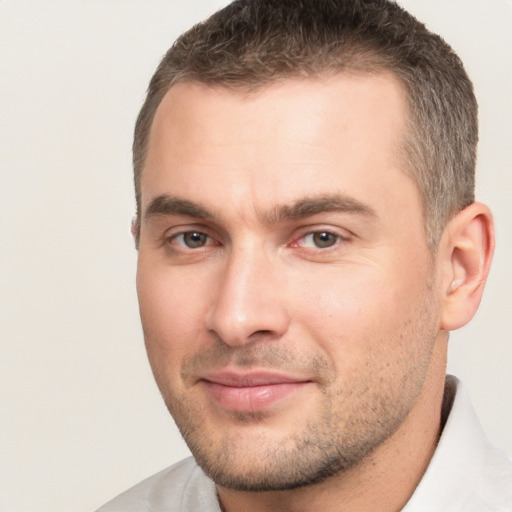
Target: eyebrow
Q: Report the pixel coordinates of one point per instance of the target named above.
(165, 205)
(310, 206)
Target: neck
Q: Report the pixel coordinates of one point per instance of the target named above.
(384, 480)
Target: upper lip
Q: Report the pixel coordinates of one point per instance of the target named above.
(252, 378)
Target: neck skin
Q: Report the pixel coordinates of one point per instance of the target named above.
(385, 480)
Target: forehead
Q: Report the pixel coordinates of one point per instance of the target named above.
(333, 99)
(341, 133)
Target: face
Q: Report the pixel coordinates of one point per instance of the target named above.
(284, 279)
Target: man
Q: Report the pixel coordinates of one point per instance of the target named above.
(308, 236)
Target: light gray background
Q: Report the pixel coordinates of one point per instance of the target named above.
(81, 417)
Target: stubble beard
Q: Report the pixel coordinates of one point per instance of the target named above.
(356, 414)
(331, 443)
(312, 455)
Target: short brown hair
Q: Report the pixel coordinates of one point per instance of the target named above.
(251, 43)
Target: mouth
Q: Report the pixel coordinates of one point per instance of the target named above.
(252, 391)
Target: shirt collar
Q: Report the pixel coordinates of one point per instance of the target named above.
(459, 462)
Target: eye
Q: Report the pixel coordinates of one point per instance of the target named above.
(191, 239)
(320, 240)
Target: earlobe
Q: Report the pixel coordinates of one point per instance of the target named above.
(467, 247)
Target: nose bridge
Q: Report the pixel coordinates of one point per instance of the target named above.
(246, 302)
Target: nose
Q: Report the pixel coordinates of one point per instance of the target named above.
(248, 303)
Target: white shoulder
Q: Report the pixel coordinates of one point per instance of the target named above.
(180, 487)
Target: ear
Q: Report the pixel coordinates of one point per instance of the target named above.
(466, 248)
(135, 230)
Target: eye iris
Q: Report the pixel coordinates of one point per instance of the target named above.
(194, 239)
(324, 239)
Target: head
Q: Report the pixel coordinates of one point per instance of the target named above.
(302, 170)
(248, 45)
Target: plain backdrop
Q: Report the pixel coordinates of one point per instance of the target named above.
(82, 419)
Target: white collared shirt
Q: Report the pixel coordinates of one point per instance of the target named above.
(466, 474)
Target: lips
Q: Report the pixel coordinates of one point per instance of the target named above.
(253, 391)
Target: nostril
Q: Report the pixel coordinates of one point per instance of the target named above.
(263, 335)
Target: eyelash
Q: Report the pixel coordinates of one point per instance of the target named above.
(169, 240)
(301, 241)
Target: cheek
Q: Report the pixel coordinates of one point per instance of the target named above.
(359, 315)
(171, 316)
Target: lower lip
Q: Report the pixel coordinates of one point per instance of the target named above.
(251, 398)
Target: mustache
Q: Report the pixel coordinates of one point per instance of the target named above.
(269, 356)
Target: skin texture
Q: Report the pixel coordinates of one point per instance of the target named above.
(282, 240)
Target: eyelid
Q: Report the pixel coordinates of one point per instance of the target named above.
(185, 246)
(176, 231)
(217, 239)
(312, 243)
(342, 234)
